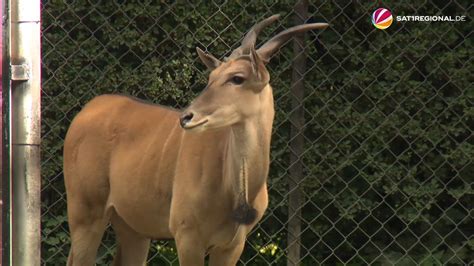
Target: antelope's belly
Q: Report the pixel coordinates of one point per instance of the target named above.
(147, 212)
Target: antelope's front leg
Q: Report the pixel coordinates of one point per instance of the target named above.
(228, 256)
(191, 252)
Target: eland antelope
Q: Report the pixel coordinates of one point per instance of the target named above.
(198, 176)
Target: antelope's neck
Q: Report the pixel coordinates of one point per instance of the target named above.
(250, 140)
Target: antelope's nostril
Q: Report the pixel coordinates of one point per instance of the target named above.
(185, 118)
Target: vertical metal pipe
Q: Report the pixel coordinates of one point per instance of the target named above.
(25, 58)
(3, 191)
(296, 197)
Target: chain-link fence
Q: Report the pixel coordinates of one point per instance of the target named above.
(371, 164)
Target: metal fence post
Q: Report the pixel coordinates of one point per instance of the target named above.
(4, 187)
(296, 140)
(25, 130)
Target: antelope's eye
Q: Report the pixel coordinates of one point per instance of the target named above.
(237, 80)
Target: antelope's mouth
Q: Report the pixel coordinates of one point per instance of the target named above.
(191, 124)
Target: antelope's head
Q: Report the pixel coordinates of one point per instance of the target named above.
(234, 89)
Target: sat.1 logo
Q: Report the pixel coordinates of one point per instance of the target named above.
(382, 18)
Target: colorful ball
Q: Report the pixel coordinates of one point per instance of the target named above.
(382, 18)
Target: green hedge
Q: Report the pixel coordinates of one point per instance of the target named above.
(389, 145)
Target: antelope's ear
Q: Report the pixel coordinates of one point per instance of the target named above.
(258, 67)
(209, 60)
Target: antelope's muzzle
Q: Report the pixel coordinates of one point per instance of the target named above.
(185, 118)
(188, 120)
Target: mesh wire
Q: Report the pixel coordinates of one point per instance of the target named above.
(387, 160)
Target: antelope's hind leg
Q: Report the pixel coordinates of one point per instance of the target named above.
(132, 248)
(87, 227)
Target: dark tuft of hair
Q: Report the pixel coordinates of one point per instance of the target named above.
(244, 214)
